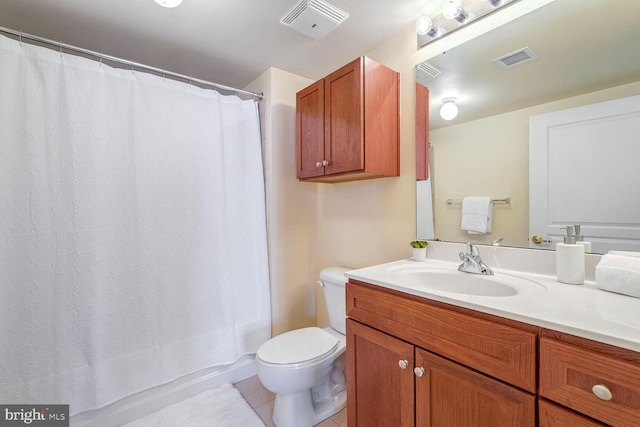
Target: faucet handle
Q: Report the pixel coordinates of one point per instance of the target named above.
(463, 256)
(472, 249)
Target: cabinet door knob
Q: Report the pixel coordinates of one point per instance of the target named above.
(325, 163)
(419, 371)
(602, 392)
(318, 164)
(403, 364)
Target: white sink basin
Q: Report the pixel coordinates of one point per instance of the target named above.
(454, 281)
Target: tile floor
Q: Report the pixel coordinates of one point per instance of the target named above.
(262, 400)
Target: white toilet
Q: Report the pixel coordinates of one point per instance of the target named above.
(305, 367)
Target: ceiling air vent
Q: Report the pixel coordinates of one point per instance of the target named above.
(512, 59)
(314, 18)
(426, 72)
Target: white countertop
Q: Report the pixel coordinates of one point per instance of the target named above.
(581, 310)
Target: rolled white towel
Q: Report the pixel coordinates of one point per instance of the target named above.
(620, 274)
(625, 253)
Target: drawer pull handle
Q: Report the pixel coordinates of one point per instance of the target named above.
(403, 364)
(419, 372)
(602, 392)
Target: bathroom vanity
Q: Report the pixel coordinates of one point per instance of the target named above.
(546, 355)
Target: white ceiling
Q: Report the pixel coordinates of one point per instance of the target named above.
(582, 45)
(227, 41)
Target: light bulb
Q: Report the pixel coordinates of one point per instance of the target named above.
(168, 3)
(449, 109)
(454, 10)
(424, 26)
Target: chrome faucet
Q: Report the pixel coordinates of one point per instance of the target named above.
(497, 242)
(472, 262)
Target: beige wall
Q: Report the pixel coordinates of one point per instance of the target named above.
(291, 206)
(312, 226)
(489, 157)
(370, 222)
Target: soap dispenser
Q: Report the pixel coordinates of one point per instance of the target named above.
(570, 259)
(580, 239)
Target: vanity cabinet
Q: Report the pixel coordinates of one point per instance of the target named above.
(413, 362)
(347, 124)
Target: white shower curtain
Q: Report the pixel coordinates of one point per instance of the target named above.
(132, 229)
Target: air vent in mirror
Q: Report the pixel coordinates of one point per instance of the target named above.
(518, 57)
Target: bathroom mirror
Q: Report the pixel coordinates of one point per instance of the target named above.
(584, 52)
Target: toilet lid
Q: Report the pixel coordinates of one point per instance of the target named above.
(297, 346)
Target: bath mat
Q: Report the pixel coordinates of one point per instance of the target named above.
(219, 407)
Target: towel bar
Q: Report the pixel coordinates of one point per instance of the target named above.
(506, 200)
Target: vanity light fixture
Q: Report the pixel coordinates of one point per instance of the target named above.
(424, 26)
(168, 3)
(456, 14)
(449, 109)
(454, 10)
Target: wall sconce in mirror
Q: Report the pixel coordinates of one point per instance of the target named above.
(449, 109)
(424, 26)
(454, 10)
(455, 14)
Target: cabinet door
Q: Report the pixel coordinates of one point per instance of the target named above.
(451, 395)
(310, 131)
(343, 130)
(551, 415)
(379, 390)
(422, 132)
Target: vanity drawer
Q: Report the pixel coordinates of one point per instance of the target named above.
(569, 373)
(498, 350)
(551, 415)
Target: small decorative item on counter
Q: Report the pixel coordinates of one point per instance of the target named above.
(570, 259)
(419, 248)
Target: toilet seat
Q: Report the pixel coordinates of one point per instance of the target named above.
(301, 346)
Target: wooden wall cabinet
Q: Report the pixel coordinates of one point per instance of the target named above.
(348, 124)
(412, 361)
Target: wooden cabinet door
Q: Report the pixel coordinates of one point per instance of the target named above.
(379, 390)
(343, 129)
(422, 132)
(551, 415)
(451, 395)
(310, 131)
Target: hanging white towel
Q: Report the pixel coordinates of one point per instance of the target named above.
(476, 215)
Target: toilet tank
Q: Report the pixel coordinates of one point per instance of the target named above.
(333, 280)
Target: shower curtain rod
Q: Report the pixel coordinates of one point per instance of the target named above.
(21, 35)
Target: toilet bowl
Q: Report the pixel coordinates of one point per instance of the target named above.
(305, 368)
